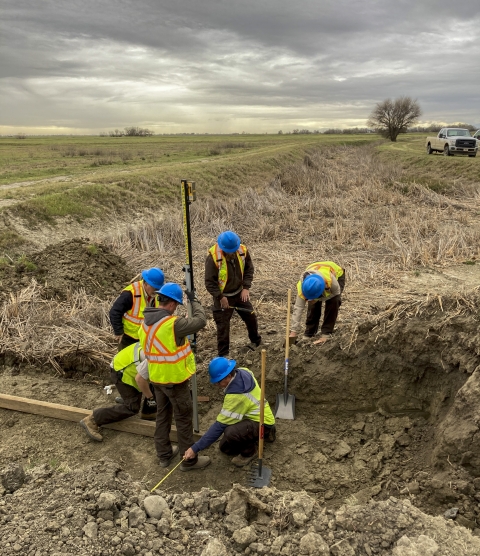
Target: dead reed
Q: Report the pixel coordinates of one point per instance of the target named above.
(344, 204)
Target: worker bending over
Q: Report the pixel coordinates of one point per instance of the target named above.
(124, 372)
(322, 281)
(228, 278)
(126, 314)
(239, 417)
(171, 363)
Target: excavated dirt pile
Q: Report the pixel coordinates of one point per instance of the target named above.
(68, 266)
(100, 511)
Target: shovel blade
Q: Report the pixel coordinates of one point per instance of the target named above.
(285, 409)
(259, 481)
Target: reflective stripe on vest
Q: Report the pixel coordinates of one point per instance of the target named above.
(237, 407)
(221, 262)
(167, 362)
(126, 362)
(132, 319)
(324, 269)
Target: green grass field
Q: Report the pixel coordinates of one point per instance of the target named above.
(43, 179)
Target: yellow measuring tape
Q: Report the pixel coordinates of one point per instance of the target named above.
(166, 476)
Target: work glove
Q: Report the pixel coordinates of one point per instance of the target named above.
(149, 409)
(191, 296)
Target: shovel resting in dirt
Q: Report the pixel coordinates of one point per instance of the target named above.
(285, 406)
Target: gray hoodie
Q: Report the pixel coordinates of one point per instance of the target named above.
(184, 326)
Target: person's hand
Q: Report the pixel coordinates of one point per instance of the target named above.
(292, 334)
(189, 454)
(191, 296)
(224, 303)
(151, 402)
(119, 338)
(245, 295)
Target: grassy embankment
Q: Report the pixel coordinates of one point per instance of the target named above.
(44, 179)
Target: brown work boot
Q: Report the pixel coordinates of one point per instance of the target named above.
(91, 428)
(165, 462)
(202, 462)
(241, 461)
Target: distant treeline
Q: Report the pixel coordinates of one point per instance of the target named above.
(133, 131)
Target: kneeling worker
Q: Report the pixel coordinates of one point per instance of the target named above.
(125, 366)
(239, 417)
(322, 281)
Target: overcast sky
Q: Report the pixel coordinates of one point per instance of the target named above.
(233, 65)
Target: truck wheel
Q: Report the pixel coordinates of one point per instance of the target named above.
(429, 149)
(446, 151)
(472, 155)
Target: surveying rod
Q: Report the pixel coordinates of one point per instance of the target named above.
(188, 196)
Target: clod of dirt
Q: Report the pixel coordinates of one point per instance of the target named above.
(68, 266)
(100, 510)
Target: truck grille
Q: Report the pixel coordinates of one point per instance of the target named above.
(466, 143)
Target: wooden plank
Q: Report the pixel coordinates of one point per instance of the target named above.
(69, 413)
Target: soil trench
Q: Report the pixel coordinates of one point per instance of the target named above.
(371, 420)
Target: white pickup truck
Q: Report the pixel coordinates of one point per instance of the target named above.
(452, 140)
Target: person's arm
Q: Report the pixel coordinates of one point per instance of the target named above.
(144, 386)
(334, 288)
(141, 378)
(211, 436)
(211, 277)
(185, 326)
(248, 272)
(296, 324)
(121, 305)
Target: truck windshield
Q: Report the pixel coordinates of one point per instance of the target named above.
(458, 133)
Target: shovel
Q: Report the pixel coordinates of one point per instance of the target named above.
(285, 406)
(260, 476)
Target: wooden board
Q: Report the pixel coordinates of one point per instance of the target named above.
(69, 413)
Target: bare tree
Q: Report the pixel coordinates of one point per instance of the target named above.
(392, 117)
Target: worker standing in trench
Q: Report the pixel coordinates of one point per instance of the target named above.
(239, 417)
(124, 372)
(323, 281)
(126, 314)
(228, 279)
(171, 363)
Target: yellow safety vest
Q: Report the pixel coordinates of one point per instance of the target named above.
(126, 361)
(132, 320)
(167, 362)
(324, 269)
(237, 407)
(221, 262)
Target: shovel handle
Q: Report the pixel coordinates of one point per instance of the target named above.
(261, 434)
(287, 334)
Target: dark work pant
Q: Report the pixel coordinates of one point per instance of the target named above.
(314, 312)
(130, 406)
(222, 320)
(241, 438)
(126, 341)
(174, 401)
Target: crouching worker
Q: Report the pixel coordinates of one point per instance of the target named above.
(239, 417)
(124, 373)
(321, 282)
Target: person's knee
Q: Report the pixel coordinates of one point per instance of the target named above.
(133, 404)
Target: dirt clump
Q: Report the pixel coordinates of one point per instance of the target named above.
(100, 510)
(68, 266)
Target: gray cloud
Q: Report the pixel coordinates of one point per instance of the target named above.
(221, 66)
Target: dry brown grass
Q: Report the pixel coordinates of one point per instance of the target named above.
(342, 204)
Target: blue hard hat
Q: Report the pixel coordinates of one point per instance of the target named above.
(228, 242)
(173, 291)
(219, 368)
(313, 286)
(153, 277)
